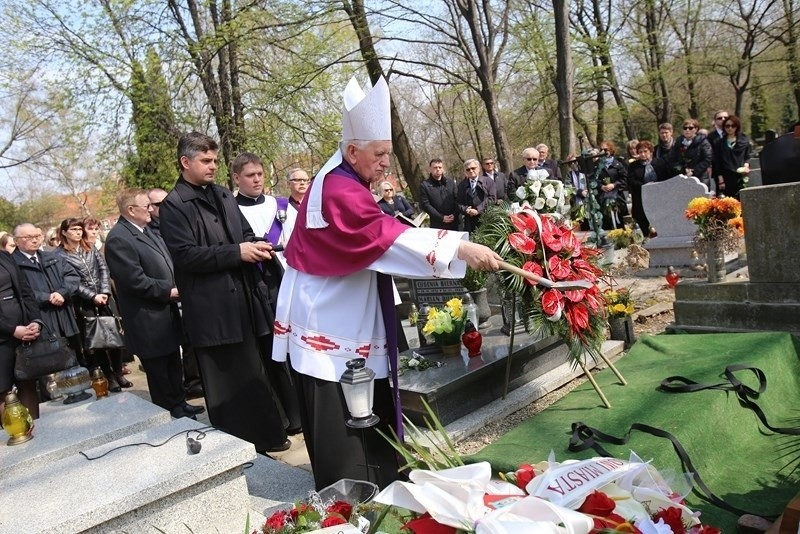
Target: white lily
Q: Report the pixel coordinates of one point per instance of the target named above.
(521, 192)
(549, 191)
(538, 204)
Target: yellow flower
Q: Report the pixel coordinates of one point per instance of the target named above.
(456, 308)
(629, 309)
(619, 309)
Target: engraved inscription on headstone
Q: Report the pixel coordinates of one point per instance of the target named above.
(435, 291)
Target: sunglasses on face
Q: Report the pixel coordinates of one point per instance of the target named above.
(531, 159)
(688, 127)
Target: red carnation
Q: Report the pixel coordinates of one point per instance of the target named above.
(425, 524)
(522, 243)
(672, 517)
(552, 303)
(598, 503)
(277, 520)
(344, 509)
(533, 267)
(298, 510)
(524, 475)
(332, 520)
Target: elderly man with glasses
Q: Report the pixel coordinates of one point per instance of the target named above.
(530, 164)
(498, 178)
(475, 193)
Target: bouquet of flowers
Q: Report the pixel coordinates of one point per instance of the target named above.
(621, 237)
(543, 195)
(313, 515)
(618, 302)
(446, 324)
(717, 219)
(546, 246)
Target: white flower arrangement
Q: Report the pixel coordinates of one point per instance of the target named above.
(542, 194)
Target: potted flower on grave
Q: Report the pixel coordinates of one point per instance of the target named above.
(619, 306)
(720, 228)
(446, 325)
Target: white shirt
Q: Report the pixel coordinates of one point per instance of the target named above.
(322, 322)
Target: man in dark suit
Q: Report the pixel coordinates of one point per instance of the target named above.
(225, 304)
(437, 197)
(549, 164)
(53, 282)
(498, 178)
(475, 194)
(144, 278)
(530, 161)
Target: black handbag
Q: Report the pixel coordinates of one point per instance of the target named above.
(47, 354)
(103, 332)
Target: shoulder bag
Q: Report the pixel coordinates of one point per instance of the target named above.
(45, 355)
(103, 332)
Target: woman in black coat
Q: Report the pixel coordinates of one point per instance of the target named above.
(644, 171)
(732, 152)
(391, 204)
(691, 152)
(93, 297)
(18, 310)
(611, 184)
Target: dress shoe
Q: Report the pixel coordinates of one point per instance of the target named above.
(280, 448)
(188, 408)
(124, 382)
(195, 392)
(179, 412)
(294, 430)
(113, 385)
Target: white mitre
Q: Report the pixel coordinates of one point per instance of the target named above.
(365, 117)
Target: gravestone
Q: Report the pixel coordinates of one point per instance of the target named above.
(435, 291)
(665, 203)
(770, 299)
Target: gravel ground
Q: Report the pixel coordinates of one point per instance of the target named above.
(648, 293)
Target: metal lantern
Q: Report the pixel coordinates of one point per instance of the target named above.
(17, 420)
(358, 386)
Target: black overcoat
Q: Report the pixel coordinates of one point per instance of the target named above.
(143, 277)
(204, 244)
(54, 275)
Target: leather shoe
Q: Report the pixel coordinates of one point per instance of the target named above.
(179, 412)
(113, 386)
(280, 448)
(124, 382)
(294, 430)
(188, 408)
(195, 392)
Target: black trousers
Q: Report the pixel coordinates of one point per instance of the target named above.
(282, 379)
(239, 397)
(165, 379)
(337, 451)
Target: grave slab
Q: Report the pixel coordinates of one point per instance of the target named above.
(62, 430)
(139, 488)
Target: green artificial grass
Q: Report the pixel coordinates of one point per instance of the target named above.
(746, 465)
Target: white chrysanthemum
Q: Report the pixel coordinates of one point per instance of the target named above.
(521, 192)
(539, 204)
(549, 191)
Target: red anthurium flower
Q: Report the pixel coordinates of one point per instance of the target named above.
(672, 517)
(577, 316)
(571, 243)
(524, 222)
(575, 295)
(559, 268)
(586, 270)
(551, 235)
(598, 503)
(524, 475)
(522, 243)
(425, 524)
(593, 298)
(552, 304)
(533, 267)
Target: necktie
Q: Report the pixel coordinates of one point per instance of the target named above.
(472, 184)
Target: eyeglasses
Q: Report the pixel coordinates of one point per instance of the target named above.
(299, 181)
(723, 118)
(488, 162)
(155, 204)
(472, 168)
(29, 237)
(75, 229)
(531, 159)
(689, 127)
(387, 190)
(730, 125)
(147, 206)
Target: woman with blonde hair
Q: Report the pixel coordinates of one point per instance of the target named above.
(94, 296)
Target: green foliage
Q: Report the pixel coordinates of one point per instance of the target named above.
(759, 120)
(474, 280)
(155, 134)
(8, 215)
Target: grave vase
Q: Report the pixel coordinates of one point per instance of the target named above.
(481, 300)
(622, 329)
(715, 260)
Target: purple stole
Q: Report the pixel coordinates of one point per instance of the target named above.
(274, 232)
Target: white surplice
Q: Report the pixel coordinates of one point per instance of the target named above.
(322, 322)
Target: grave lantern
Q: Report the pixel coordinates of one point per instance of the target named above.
(358, 385)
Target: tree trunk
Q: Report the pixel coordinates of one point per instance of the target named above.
(412, 171)
(565, 78)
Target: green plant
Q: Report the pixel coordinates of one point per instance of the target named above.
(474, 280)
